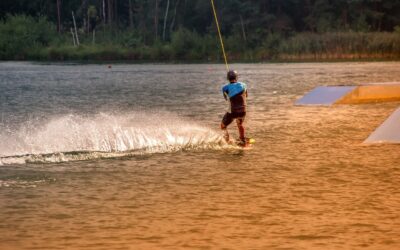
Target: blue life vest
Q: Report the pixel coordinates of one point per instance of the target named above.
(232, 89)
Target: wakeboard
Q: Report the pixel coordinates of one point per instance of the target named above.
(248, 143)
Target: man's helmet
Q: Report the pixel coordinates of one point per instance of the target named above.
(232, 75)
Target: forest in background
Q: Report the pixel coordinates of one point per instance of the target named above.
(184, 30)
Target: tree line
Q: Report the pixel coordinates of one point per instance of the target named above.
(263, 28)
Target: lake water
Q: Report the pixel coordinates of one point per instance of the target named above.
(131, 157)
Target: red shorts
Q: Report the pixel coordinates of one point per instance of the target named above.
(229, 117)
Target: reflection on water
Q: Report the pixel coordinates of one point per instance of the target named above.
(308, 183)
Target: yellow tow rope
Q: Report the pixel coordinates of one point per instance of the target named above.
(220, 36)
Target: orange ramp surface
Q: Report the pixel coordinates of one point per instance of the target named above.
(366, 93)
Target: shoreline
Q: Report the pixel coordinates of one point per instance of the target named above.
(172, 62)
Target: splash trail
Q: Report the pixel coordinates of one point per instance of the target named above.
(76, 137)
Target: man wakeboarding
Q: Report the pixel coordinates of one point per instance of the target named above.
(236, 92)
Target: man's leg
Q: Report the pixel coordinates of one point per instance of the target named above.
(225, 131)
(239, 122)
(226, 120)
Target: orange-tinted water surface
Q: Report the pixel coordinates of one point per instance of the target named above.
(132, 158)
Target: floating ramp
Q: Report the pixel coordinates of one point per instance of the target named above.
(365, 93)
(388, 131)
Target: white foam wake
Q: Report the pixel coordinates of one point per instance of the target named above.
(75, 137)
